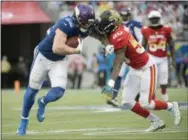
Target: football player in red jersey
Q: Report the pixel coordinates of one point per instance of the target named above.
(142, 75)
(156, 37)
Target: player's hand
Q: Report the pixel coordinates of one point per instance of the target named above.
(109, 49)
(107, 92)
(80, 45)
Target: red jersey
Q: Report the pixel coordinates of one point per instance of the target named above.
(157, 40)
(135, 54)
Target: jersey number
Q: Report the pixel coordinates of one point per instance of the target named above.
(153, 47)
(117, 34)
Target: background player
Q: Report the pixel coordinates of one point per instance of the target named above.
(156, 37)
(48, 61)
(135, 29)
(142, 75)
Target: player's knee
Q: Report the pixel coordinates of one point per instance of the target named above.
(58, 91)
(61, 83)
(34, 83)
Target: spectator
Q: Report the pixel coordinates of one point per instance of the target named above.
(185, 22)
(6, 67)
(185, 15)
(77, 64)
(93, 67)
(185, 70)
(102, 67)
(110, 61)
(179, 68)
(22, 69)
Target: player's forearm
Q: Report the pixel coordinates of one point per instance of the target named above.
(116, 70)
(65, 50)
(119, 59)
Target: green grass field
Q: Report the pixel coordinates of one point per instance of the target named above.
(83, 114)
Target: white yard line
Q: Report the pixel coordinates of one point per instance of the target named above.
(134, 131)
(77, 107)
(95, 108)
(32, 132)
(98, 131)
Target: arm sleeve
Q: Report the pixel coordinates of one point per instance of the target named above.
(138, 24)
(138, 34)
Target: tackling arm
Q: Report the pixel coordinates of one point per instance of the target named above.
(59, 44)
(119, 59)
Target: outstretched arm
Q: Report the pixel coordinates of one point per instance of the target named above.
(107, 91)
(119, 59)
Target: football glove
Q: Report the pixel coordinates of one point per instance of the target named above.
(109, 49)
(107, 92)
(80, 45)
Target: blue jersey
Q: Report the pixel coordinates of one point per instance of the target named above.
(68, 26)
(102, 62)
(131, 25)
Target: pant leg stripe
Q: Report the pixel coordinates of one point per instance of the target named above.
(152, 78)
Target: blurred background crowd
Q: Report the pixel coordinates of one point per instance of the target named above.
(91, 70)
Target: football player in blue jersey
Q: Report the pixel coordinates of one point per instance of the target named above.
(48, 61)
(133, 25)
(135, 29)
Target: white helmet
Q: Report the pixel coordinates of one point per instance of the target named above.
(154, 18)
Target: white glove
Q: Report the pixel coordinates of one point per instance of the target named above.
(80, 45)
(109, 49)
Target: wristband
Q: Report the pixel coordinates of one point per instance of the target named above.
(111, 83)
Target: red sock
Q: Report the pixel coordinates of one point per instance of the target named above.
(163, 91)
(140, 111)
(160, 105)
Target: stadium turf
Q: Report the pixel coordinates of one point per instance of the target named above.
(83, 114)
